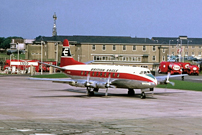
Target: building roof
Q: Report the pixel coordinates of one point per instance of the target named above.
(174, 40)
(97, 39)
(79, 39)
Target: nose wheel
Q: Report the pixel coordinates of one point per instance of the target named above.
(143, 95)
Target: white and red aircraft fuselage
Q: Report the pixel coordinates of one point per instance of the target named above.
(94, 77)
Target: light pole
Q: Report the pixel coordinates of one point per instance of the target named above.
(18, 51)
(56, 57)
(169, 48)
(42, 43)
(10, 58)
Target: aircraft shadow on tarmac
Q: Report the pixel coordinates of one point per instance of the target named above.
(101, 94)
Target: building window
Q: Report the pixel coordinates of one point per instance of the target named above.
(114, 47)
(103, 47)
(163, 50)
(186, 47)
(186, 53)
(199, 47)
(154, 48)
(164, 58)
(93, 47)
(199, 53)
(124, 47)
(193, 46)
(154, 58)
(144, 48)
(173, 46)
(144, 66)
(134, 47)
(192, 53)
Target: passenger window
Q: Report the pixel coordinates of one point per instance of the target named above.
(117, 75)
(85, 73)
(81, 72)
(101, 74)
(97, 74)
(141, 72)
(93, 74)
(105, 74)
(113, 75)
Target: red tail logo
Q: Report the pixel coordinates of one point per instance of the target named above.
(66, 58)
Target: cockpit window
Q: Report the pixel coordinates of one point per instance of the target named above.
(145, 72)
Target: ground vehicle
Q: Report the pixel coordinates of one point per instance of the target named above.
(172, 67)
(21, 65)
(189, 68)
(24, 65)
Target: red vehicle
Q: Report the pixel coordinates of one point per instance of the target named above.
(25, 65)
(173, 68)
(188, 68)
(21, 64)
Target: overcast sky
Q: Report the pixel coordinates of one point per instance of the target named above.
(140, 18)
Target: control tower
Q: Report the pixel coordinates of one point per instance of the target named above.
(54, 33)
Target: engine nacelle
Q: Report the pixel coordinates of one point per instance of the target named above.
(90, 84)
(77, 84)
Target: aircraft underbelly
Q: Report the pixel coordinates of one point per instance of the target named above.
(119, 83)
(133, 84)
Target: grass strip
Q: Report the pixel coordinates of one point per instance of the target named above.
(183, 85)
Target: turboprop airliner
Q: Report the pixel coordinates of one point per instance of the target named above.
(94, 77)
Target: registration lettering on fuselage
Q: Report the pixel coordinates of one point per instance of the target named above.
(104, 70)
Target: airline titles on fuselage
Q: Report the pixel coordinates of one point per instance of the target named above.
(104, 70)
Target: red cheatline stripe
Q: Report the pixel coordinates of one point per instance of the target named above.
(112, 75)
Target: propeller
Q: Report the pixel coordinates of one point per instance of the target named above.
(88, 80)
(107, 84)
(167, 80)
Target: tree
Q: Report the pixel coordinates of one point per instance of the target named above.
(5, 42)
(1, 41)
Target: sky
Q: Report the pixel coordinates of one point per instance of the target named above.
(135, 18)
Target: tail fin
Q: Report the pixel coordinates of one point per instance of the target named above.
(66, 58)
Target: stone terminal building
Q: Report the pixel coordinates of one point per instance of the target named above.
(115, 50)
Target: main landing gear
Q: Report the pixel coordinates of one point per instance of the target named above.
(89, 91)
(131, 92)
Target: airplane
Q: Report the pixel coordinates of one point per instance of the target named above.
(95, 77)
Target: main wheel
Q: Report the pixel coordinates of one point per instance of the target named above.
(131, 92)
(89, 92)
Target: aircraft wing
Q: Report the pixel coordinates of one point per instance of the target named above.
(59, 80)
(61, 68)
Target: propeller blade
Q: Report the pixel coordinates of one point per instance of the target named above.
(168, 76)
(106, 94)
(88, 80)
(172, 83)
(107, 85)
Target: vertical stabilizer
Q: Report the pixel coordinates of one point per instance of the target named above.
(66, 58)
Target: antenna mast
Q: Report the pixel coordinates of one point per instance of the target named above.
(54, 25)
